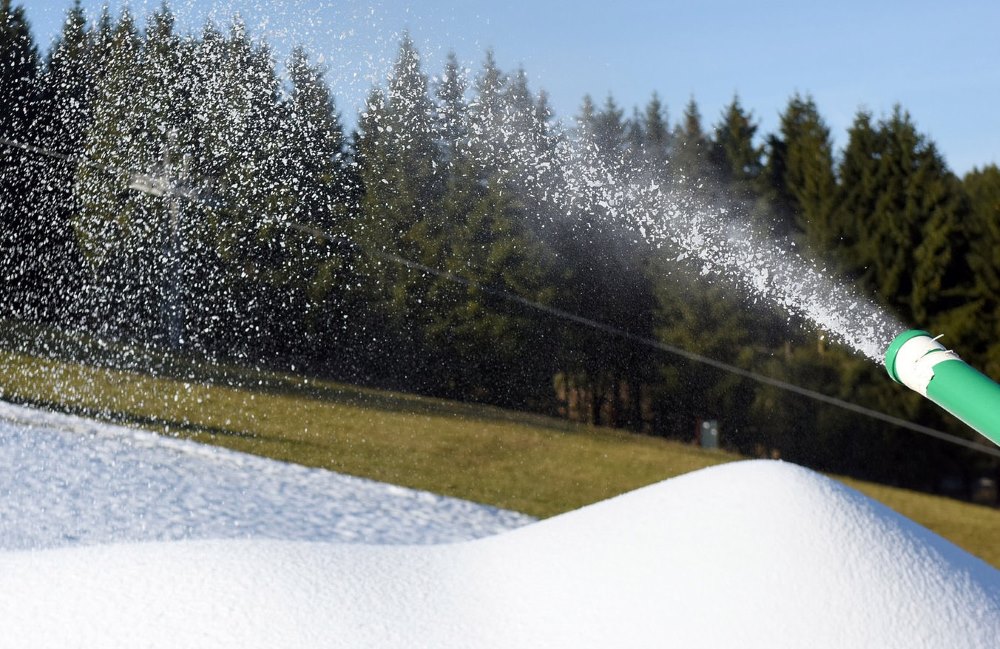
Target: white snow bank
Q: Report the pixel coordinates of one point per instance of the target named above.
(753, 554)
(67, 480)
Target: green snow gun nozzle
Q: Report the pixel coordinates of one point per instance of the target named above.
(917, 360)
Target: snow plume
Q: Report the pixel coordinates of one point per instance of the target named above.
(567, 171)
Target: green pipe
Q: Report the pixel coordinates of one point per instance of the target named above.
(920, 362)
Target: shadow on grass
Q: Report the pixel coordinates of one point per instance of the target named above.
(52, 344)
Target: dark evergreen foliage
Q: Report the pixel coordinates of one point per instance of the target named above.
(21, 239)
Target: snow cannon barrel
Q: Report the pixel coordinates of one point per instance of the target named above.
(921, 363)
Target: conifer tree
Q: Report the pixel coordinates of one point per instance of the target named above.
(452, 110)
(656, 138)
(690, 153)
(65, 92)
(543, 111)
(609, 132)
(586, 119)
(496, 348)
(315, 137)
(489, 114)
(68, 86)
(858, 187)
(799, 184)
(403, 174)
(904, 209)
(635, 136)
(603, 279)
(737, 161)
(120, 230)
(19, 70)
(983, 189)
(317, 191)
(707, 319)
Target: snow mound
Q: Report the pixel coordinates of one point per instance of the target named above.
(70, 481)
(752, 554)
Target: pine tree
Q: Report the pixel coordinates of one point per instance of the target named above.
(736, 159)
(711, 320)
(65, 92)
(858, 187)
(602, 277)
(403, 175)
(609, 133)
(101, 35)
(690, 153)
(316, 193)
(983, 189)
(799, 184)
(68, 85)
(118, 234)
(904, 209)
(19, 233)
(244, 151)
(19, 71)
(488, 239)
(586, 119)
(490, 137)
(495, 349)
(635, 137)
(657, 141)
(452, 110)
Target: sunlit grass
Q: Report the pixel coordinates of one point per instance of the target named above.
(537, 465)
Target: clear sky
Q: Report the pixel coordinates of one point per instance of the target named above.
(939, 60)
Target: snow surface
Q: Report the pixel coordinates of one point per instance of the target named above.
(66, 480)
(751, 554)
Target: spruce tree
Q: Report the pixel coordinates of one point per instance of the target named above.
(690, 153)
(602, 270)
(317, 194)
(496, 347)
(19, 70)
(68, 85)
(452, 110)
(657, 139)
(403, 174)
(983, 189)
(119, 230)
(903, 212)
(710, 318)
(858, 185)
(737, 161)
(609, 133)
(19, 229)
(65, 93)
(586, 119)
(242, 110)
(799, 184)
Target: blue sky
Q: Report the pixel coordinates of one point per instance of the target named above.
(940, 61)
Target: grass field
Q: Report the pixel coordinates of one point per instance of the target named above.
(533, 464)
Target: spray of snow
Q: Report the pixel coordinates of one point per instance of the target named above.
(566, 170)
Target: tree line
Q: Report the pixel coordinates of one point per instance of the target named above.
(150, 178)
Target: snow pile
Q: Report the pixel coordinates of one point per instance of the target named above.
(68, 481)
(752, 554)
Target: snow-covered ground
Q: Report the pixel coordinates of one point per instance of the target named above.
(66, 480)
(751, 554)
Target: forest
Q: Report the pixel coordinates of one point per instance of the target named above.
(191, 193)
